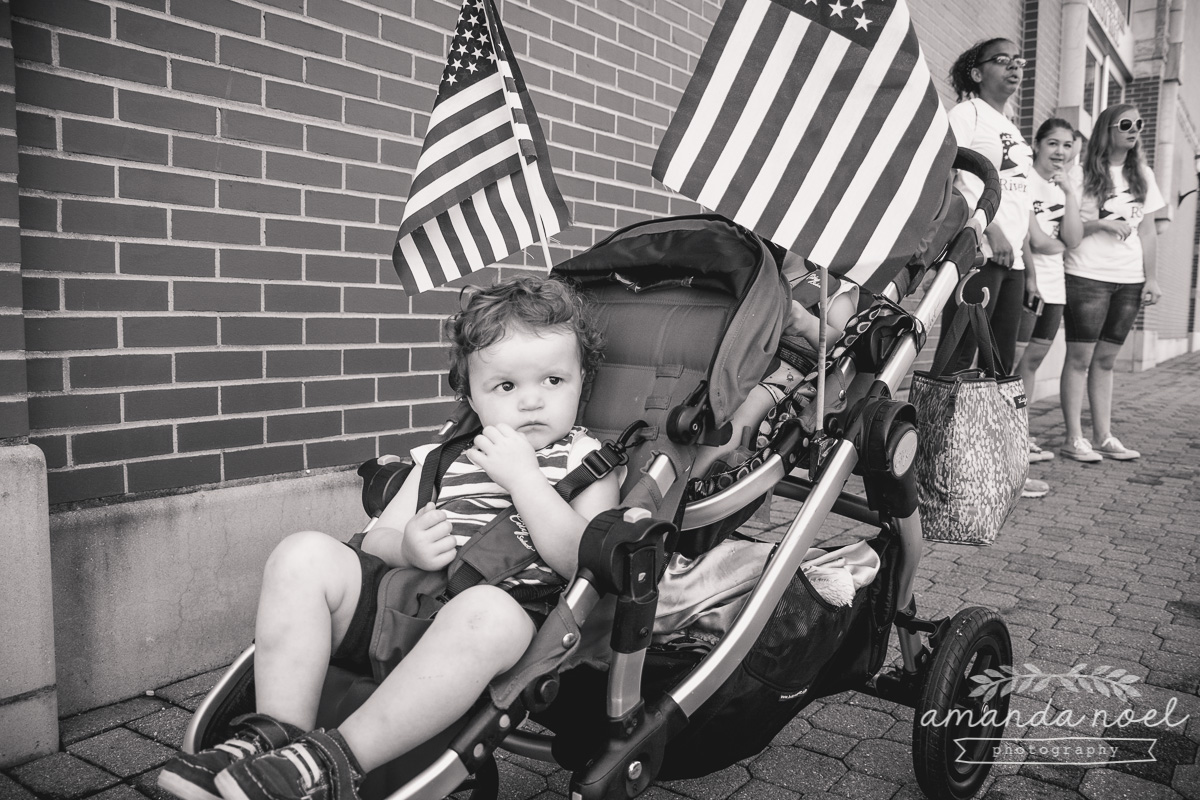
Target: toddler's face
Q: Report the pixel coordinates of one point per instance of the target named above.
(530, 381)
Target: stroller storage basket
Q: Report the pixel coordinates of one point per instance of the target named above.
(809, 649)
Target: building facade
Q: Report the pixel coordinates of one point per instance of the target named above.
(200, 328)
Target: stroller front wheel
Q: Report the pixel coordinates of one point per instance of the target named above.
(953, 731)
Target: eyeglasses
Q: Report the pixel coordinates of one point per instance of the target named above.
(1126, 125)
(1007, 61)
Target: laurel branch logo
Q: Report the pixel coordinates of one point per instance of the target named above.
(1102, 680)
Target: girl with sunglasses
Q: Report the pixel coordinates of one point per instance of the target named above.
(985, 78)
(1109, 277)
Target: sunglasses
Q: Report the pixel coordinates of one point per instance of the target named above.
(1127, 125)
(1007, 61)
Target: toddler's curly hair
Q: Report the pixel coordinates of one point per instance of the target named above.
(528, 302)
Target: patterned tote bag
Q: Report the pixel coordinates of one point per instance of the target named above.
(974, 438)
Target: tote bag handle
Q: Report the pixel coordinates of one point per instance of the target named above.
(975, 316)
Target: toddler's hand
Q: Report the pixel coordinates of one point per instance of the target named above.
(427, 543)
(505, 455)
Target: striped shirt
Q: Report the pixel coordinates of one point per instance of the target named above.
(471, 499)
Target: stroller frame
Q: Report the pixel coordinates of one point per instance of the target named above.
(638, 733)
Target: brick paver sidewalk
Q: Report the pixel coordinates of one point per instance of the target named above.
(1100, 573)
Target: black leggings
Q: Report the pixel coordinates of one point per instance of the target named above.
(1006, 291)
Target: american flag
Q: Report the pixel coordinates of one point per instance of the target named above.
(471, 202)
(816, 125)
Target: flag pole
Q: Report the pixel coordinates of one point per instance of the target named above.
(537, 215)
(823, 311)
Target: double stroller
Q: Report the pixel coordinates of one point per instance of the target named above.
(693, 312)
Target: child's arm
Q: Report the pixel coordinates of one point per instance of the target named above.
(1070, 227)
(1031, 287)
(406, 537)
(1040, 241)
(555, 526)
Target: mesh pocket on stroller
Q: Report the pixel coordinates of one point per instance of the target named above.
(784, 657)
(804, 652)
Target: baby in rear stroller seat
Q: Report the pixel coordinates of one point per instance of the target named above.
(521, 352)
(716, 466)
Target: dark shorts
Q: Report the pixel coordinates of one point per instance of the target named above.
(354, 652)
(1044, 327)
(1101, 311)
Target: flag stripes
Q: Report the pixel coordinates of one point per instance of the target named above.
(483, 187)
(491, 224)
(817, 126)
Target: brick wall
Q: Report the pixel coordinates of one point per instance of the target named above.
(1042, 45)
(208, 200)
(209, 192)
(14, 418)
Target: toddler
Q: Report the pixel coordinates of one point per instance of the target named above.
(520, 354)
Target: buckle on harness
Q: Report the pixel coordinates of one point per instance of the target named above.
(604, 460)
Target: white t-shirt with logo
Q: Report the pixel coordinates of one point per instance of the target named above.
(985, 130)
(1104, 256)
(1049, 202)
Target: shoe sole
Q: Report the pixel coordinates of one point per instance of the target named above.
(1082, 459)
(229, 788)
(1039, 457)
(1121, 457)
(1034, 495)
(183, 788)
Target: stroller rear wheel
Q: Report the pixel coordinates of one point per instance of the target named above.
(951, 752)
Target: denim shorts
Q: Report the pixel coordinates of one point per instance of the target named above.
(1043, 327)
(1101, 311)
(354, 652)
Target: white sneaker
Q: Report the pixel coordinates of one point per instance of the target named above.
(1112, 448)
(1037, 454)
(1081, 450)
(1035, 488)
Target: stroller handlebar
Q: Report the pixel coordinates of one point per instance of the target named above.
(964, 249)
(979, 166)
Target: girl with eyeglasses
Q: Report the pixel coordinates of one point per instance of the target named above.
(1109, 277)
(985, 78)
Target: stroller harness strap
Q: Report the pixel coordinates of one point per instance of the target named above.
(494, 552)
(409, 598)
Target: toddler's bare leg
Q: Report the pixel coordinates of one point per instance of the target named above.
(478, 635)
(310, 588)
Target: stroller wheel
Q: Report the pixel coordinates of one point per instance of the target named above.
(483, 785)
(951, 752)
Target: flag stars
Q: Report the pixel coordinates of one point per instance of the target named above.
(861, 23)
(836, 8)
(856, 3)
